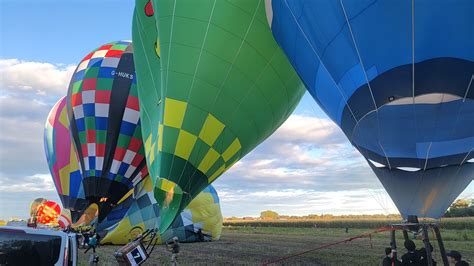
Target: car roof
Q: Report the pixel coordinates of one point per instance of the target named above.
(30, 230)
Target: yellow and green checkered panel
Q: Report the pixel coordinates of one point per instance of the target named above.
(217, 88)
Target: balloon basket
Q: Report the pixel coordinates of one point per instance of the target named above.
(137, 251)
(413, 226)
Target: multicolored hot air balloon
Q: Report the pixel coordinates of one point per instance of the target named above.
(62, 160)
(64, 219)
(203, 213)
(213, 84)
(105, 126)
(48, 212)
(35, 204)
(397, 78)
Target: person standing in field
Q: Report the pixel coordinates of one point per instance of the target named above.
(412, 257)
(387, 260)
(455, 257)
(424, 256)
(92, 243)
(173, 247)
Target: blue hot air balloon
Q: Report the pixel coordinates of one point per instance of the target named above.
(397, 78)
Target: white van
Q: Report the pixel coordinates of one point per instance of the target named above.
(29, 246)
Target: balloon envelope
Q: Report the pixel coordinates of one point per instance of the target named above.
(219, 85)
(62, 160)
(104, 114)
(397, 77)
(35, 204)
(202, 213)
(64, 219)
(48, 212)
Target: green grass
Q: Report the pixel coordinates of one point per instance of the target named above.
(446, 223)
(248, 245)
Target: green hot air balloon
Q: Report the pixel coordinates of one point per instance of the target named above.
(213, 84)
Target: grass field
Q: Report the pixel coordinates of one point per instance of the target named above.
(246, 245)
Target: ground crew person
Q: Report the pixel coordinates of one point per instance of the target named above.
(455, 257)
(173, 247)
(412, 257)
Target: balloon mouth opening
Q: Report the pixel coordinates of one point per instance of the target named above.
(169, 196)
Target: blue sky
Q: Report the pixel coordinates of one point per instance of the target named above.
(306, 167)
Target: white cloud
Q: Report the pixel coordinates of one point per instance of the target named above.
(34, 77)
(37, 182)
(308, 129)
(306, 150)
(303, 202)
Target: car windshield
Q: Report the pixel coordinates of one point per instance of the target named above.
(20, 248)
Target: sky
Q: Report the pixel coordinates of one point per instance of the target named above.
(306, 167)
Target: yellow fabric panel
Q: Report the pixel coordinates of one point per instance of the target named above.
(208, 213)
(160, 139)
(216, 174)
(147, 184)
(231, 150)
(148, 144)
(158, 47)
(63, 119)
(64, 176)
(166, 185)
(73, 162)
(211, 130)
(208, 160)
(174, 113)
(120, 235)
(151, 157)
(129, 193)
(185, 144)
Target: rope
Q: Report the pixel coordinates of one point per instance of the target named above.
(368, 234)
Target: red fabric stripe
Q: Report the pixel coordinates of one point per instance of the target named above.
(90, 136)
(105, 47)
(132, 103)
(85, 152)
(102, 96)
(100, 150)
(134, 144)
(119, 153)
(87, 57)
(89, 84)
(76, 99)
(114, 53)
(137, 160)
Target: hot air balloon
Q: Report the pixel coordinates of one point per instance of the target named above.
(104, 117)
(35, 204)
(217, 85)
(397, 78)
(48, 212)
(202, 213)
(62, 160)
(117, 213)
(64, 219)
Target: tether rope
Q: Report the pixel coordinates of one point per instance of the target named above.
(368, 234)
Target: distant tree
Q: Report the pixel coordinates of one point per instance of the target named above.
(460, 208)
(269, 215)
(460, 203)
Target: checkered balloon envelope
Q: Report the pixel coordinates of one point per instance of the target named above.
(104, 116)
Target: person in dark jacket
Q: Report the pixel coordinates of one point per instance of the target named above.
(174, 248)
(455, 257)
(387, 261)
(412, 257)
(92, 243)
(424, 256)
